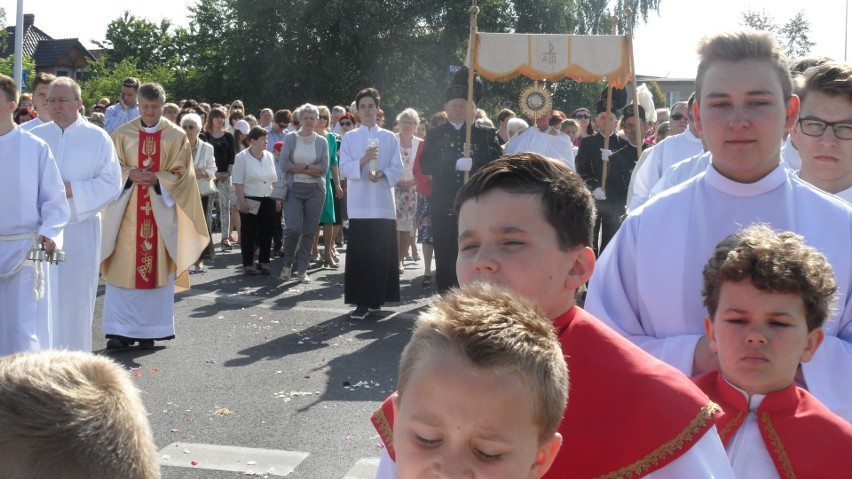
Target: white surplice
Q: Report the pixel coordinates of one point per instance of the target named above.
(650, 167)
(365, 199)
(86, 158)
(552, 144)
(681, 172)
(647, 283)
(29, 125)
(32, 198)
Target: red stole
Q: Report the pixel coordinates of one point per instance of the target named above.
(804, 438)
(146, 225)
(628, 413)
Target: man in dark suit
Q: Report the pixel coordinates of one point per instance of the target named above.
(443, 158)
(590, 160)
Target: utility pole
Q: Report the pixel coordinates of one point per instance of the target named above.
(17, 70)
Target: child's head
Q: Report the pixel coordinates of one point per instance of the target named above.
(482, 388)
(72, 414)
(525, 222)
(767, 295)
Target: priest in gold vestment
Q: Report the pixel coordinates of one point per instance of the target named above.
(154, 231)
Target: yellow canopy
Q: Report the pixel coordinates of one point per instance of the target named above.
(585, 58)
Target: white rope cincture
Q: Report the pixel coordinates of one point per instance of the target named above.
(38, 273)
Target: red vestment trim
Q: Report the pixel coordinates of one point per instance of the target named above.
(804, 438)
(146, 226)
(382, 419)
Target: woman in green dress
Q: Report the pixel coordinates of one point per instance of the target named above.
(333, 190)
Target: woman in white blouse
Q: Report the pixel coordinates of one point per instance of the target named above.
(253, 176)
(304, 161)
(204, 164)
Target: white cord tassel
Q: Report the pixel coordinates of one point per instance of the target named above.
(38, 280)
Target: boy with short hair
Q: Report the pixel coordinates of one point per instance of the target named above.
(482, 388)
(525, 223)
(72, 414)
(768, 295)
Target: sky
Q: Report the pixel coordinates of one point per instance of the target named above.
(664, 46)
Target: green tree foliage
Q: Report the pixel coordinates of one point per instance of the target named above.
(657, 94)
(104, 80)
(7, 66)
(792, 35)
(282, 53)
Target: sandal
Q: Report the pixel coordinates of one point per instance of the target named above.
(427, 281)
(250, 272)
(265, 271)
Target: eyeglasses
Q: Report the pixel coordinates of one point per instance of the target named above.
(61, 101)
(582, 116)
(843, 131)
(345, 123)
(323, 117)
(188, 127)
(677, 117)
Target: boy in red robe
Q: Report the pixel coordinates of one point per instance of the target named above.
(482, 388)
(525, 223)
(768, 295)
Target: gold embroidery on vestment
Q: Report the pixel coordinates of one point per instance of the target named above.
(780, 453)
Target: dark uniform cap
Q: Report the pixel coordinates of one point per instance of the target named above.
(458, 87)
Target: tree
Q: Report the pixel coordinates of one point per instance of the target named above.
(793, 35)
(150, 44)
(7, 66)
(103, 80)
(658, 95)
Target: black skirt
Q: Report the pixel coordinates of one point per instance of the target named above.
(371, 277)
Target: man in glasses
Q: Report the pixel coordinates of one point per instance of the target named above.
(823, 133)
(647, 285)
(127, 107)
(683, 142)
(90, 170)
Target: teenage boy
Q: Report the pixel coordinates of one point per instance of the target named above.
(648, 283)
(768, 295)
(525, 223)
(823, 133)
(482, 369)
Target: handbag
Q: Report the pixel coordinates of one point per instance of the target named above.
(206, 187)
(253, 206)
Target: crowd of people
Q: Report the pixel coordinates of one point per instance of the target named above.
(715, 245)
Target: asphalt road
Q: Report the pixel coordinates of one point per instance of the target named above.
(262, 365)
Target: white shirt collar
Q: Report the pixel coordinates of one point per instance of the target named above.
(773, 180)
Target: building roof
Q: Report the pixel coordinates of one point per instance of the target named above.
(49, 51)
(41, 47)
(32, 37)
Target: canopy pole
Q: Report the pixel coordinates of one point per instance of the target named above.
(608, 109)
(474, 11)
(632, 72)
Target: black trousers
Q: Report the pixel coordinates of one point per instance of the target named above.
(606, 224)
(257, 228)
(445, 240)
(277, 230)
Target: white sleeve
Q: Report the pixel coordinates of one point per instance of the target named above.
(613, 297)
(827, 374)
(53, 206)
(387, 468)
(644, 178)
(350, 167)
(705, 459)
(94, 194)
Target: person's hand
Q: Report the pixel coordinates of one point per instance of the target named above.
(376, 176)
(244, 207)
(705, 360)
(464, 164)
(406, 183)
(599, 194)
(49, 245)
(277, 206)
(143, 177)
(372, 153)
(338, 191)
(605, 154)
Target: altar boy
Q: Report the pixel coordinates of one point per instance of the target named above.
(768, 295)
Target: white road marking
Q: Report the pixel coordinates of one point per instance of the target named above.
(231, 458)
(365, 468)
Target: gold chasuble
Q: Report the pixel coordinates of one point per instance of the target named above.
(144, 238)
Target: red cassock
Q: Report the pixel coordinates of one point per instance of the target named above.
(629, 414)
(805, 439)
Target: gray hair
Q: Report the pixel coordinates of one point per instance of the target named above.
(308, 108)
(408, 113)
(152, 92)
(191, 118)
(69, 82)
(338, 110)
(515, 126)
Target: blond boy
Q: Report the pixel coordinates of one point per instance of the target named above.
(768, 295)
(72, 414)
(482, 388)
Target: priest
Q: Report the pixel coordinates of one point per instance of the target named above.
(33, 196)
(90, 171)
(154, 231)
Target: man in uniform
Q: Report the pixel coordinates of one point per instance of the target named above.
(443, 158)
(86, 159)
(155, 230)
